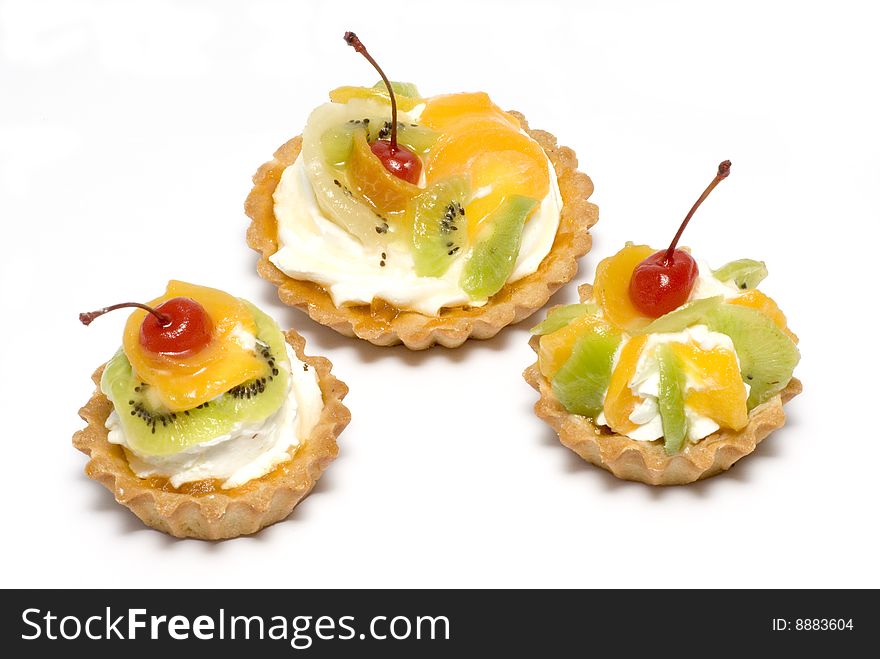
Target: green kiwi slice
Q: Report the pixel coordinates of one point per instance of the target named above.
(419, 139)
(152, 429)
(693, 313)
(670, 400)
(439, 226)
(337, 143)
(493, 256)
(745, 273)
(767, 356)
(581, 383)
(403, 88)
(560, 316)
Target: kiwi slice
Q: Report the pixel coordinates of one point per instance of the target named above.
(151, 429)
(337, 143)
(402, 88)
(560, 316)
(693, 313)
(494, 255)
(439, 226)
(745, 273)
(418, 138)
(767, 356)
(670, 401)
(581, 383)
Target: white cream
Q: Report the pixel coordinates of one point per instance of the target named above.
(249, 450)
(314, 248)
(645, 383)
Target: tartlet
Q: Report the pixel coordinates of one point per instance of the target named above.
(648, 462)
(668, 371)
(204, 508)
(385, 323)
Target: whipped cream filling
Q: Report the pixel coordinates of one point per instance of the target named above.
(249, 450)
(314, 248)
(645, 382)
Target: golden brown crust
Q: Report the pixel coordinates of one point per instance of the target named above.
(218, 514)
(452, 326)
(647, 462)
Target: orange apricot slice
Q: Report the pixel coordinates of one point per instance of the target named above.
(379, 187)
(497, 175)
(454, 152)
(620, 401)
(611, 287)
(183, 383)
(442, 113)
(721, 395)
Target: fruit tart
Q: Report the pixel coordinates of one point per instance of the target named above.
(667, 371)
(397, 218)
(209, 422)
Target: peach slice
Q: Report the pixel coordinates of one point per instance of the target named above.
(620, 401)
(611, 287)
(443, 113)
(379, 187)
(497, 175)
(183, 383)
(454, 152)
(722, 396)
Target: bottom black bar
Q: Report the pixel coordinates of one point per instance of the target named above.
(419, 623)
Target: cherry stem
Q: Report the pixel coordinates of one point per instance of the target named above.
(87, 318)
(352, 40)
(723, 171)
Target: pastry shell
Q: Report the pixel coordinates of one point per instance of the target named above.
(217, 514)
(454, 325)
(647, 462)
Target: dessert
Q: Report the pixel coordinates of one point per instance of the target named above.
(397, 218)
(209, 422)
(667, 371)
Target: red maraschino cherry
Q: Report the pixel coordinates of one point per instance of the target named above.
(179, 326)
(396, 158)
(664, 280)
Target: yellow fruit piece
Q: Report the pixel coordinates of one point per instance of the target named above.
(368, 176)
(722, 393)
(499, 174)
(347, 93)
(442, 113)
(183, 383)
(481, 141)
(454, 152)
(555, 348)
(611, 287)
(757, 300)
(620, 401)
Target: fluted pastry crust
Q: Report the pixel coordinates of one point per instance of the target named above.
(209, 513)
(647, 462)
(452, 326)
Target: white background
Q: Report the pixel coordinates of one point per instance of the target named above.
(128, 135)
